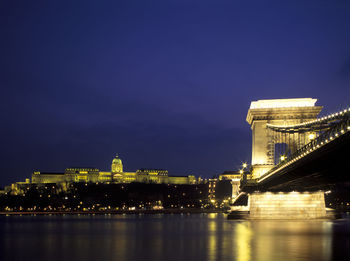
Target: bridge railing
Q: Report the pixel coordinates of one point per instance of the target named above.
(325, 137)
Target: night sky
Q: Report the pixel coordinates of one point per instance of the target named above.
(166, 84)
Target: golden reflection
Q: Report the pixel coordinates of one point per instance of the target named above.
(157, 241)
(173, 238)
(212, 238)
(212, 215)
(243, 236)
(120, 241)
(291, 240)
(327, 241)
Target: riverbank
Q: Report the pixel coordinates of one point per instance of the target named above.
(113, 212)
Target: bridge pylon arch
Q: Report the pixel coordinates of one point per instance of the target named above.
(281, 112)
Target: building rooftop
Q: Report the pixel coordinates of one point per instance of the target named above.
(83, 168)
(144, 170)
(48, 173)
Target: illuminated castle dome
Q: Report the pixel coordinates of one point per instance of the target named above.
(117, 165)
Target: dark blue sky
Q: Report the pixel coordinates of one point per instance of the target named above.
(166, 84)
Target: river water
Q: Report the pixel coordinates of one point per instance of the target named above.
(171, 237)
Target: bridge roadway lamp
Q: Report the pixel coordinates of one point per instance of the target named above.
(312, 136)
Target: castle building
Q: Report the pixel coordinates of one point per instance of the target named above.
(72, 175)
(156, 176)
(116, 175)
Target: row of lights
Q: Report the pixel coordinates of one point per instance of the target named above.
(244, 166)
(282, 158)
(311, 122)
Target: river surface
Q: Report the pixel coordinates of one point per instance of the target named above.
(178, 237)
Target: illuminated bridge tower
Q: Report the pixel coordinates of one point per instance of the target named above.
(266, 144)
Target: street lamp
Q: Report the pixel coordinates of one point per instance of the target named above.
(312, 136)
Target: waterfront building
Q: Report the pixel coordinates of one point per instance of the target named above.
(212, 188)
(18, 188)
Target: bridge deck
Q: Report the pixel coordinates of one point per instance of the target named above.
(324, 166)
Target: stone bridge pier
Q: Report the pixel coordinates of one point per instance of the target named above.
(287, 205)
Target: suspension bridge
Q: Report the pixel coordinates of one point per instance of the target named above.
(296, 156)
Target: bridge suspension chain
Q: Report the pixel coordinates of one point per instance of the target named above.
(320, 124)
(340, 125)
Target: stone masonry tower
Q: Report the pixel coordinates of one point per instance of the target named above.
(275, 112)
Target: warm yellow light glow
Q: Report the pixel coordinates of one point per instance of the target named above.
(244, 165)
(243, 234)
(241, 171)
(282, 158)
(283, 103)
(286, 205)
(312, 136)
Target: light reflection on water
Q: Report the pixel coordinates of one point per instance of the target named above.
(171, 237)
